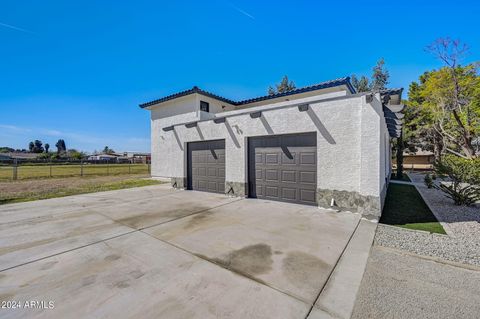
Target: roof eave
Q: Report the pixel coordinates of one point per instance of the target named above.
(324, 85)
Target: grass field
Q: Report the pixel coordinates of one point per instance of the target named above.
(404, 207)
(47, 171)
(28, 190)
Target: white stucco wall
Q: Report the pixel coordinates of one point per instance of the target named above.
(351, 139)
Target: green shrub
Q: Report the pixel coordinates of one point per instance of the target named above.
(464, 179)
(428, 181)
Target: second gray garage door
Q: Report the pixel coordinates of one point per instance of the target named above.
(283, 167)
(206, 166)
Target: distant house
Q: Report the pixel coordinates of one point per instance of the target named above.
(137, 157)
(22, 155)
(110, 158)
(5, 157)
(418, 160)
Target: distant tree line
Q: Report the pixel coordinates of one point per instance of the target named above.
(44, 150)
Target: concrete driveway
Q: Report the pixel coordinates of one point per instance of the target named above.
(157, 252)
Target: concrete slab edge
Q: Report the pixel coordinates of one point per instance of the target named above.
(431, 258)
(423, 232)
(339, 294)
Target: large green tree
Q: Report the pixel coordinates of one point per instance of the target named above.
(361, 84)
(61, 147)
(419, 129)
(380, 76)
(443, 109)
(36, 146)
(285, 85)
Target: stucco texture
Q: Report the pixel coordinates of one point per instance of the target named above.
(351, 139)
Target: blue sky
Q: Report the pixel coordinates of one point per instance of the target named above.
(77, 70)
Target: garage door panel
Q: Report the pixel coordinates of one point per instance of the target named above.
(271, 158)
(202, 171)
(259, 191)
(308, 177)
(221, 173)
(271, 175)
(307, 195)
(283, 167)
(206, 166)
(212, 172)
(289, 158)
(271, 191)
(289, 176)
(307, 158)
(259, 158)
(289, 193)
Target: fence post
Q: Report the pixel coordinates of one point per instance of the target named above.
(14, 169)
(81, 168)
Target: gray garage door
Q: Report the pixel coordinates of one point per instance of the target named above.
(283, 167)
(206, 166)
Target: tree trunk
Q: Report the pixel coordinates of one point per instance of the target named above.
(437, 147)
(400, 156)
(466, 143)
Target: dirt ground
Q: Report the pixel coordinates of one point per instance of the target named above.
(11, 188)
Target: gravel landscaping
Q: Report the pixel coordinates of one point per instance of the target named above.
(461, 223)
(428, 244)
(458, 221)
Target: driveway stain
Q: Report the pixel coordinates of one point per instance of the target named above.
(253, 259)
(196, 221)
(304, 270)
(48, 265)
(122, 284)
(87, 281)
(112, 257)
(136, 274)
(146, 219)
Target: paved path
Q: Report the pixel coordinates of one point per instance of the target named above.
(155, 252)
(402, 285)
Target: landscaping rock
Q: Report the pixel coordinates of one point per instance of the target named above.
(424, 243)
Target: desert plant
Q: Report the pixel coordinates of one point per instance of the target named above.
(428, 181)
(463, 186)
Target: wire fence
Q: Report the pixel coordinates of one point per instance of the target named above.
(19, 170)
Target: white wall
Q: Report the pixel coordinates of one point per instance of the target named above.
(183, 109)
(337, 124)
(351, 139)
(216, 106)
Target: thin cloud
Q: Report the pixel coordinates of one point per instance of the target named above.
(15, 28)
(245, 13)
(14, 128)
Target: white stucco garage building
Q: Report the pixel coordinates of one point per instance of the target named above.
(309, 145)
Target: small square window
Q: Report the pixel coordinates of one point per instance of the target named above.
(204, 106)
